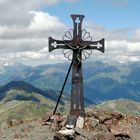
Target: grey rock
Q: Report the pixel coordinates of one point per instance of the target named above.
(80, 122)
(67, 132)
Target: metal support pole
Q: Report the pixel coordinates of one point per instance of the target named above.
(63, 88)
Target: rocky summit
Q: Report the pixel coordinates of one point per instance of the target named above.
(97, 125)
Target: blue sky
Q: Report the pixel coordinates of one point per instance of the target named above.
(109, 13)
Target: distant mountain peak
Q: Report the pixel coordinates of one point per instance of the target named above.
(28, 89)
(13, 64)
(19, 85)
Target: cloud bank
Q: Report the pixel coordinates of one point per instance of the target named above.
(24, 33)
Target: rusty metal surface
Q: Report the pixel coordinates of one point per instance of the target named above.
(77, 46)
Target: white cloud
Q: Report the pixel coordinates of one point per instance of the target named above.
(15, 12)
(121, 45)
(30, 42)
(98, 31)
(44, 21)
(20, 45)
(137, 35)
(56, 58)
(126, 59)
(29, 55)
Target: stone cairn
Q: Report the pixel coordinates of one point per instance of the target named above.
(97, 125)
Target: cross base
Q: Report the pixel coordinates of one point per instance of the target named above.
(71, 121)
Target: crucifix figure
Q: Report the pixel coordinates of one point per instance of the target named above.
(77, 46)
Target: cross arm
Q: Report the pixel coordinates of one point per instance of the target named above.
(95, 45)
(57, 44)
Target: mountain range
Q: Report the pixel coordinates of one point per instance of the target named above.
(102, 81)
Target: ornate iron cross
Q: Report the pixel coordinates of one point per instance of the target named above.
(77, 45)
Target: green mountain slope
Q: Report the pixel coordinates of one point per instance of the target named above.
(19, 110)
(25, 101)
(128, 107)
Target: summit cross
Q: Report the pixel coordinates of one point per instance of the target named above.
(77, 46)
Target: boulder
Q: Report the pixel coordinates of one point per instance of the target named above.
(120, 129)
(91, 123)
(80, 122)
(64, 134)
(67, 132)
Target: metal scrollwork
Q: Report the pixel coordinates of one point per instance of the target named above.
(68, 36)
(86, 54)
(69, 53)
(86, 37)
